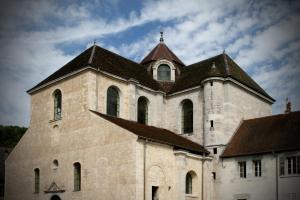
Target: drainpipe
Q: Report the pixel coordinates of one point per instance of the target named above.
(144, 163)
(203, 154)
(276, 174)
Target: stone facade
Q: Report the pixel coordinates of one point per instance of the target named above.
(117, 164)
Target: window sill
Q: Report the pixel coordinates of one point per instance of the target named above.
(289, 176)
(54, 120)
(191, 195)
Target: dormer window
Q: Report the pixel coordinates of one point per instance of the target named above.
(163, 70)
(164, 73)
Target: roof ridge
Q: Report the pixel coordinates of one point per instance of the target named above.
(276, 115)
(92, 54)
(226, 63)
(119, 55)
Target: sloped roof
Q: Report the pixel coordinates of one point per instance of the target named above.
(266, 135)
(189, 77)
(155, 134)
(192, 75)
(106, 61)
(161, 51)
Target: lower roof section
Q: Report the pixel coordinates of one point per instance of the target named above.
(270, 134)
(156, 134)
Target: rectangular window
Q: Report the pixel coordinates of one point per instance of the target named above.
(242, 168)
(77, 177)
(215, 150)
(281, 166)
(293, 164)
(257, 168)
(214, 175)
(36, 180)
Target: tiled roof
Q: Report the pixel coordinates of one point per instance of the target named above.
(156, 134)
(192, 75)
(266, 135)
(106, 61)
(189, 77)
(161, 51)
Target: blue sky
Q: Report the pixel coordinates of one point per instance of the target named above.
(38, 37)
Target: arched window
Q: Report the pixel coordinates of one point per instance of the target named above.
(77, 176)
(142, 110)
(187, 116)
(189, 183)
(55, 197)
(112, 103)
(164, 73)
(57, 104)
(36, 180)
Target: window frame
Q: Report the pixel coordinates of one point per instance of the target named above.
(187, 116)
(113, 101)
(36, 180)
(257, 168)
(142, 110)
(165, 77)
(189, 183)
(77, 176)
(57, 97)
(242, 169)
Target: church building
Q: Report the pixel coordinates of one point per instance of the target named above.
(106, 127)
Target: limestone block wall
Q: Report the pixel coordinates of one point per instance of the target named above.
(156, 106)
(166, 169)
(104, 82)
(213, 112)
(105, 151)
(240, 104)
(173, 114)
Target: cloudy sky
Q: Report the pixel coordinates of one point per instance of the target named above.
(38, 37)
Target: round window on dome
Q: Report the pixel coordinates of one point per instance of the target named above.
(164, 73)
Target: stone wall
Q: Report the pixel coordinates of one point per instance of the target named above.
(105, 151)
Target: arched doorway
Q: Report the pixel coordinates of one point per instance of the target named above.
(55, 197)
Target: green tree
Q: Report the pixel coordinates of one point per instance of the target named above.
(10, 135)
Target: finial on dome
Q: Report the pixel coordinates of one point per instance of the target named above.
(95, 42)
(288, 106)
(161, 37)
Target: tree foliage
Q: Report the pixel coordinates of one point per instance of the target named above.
(10, 135)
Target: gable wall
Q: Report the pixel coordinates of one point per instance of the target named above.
(79, 136)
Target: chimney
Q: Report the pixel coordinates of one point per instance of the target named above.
(288, 106)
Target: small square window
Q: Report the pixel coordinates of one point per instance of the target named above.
(211, 83)
(215, 150)
(214, 175)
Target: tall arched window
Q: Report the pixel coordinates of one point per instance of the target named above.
(36, 180)
(57, 104)
(113, 102)
(187, 116)
(142, 110)
(189, 183)
(164, 73)
(77, 176)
